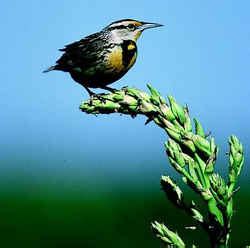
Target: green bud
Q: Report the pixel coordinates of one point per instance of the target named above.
(213, 146)
(172, 190)
(189, 144)
(236, 160)
(198, 128)
(201, 166)
(155, 95)
(118, 96)
(202, 144)
(108, 106)
(177, 110)
(214, 210)
(174, 134)
(174, 151)
(144, 96)
(177, 153)
(146, 107)
(206, 195)
(176, 165)
(167, 124)
(200, 162)
(187, 124)
(167, 236)
(153, 91)
(169, 114)
(158, 121)
(162, 100)
(197, 215)
(218, 185)
(180, 159)
(230, 208)
(133, 92)
(88, 109)
(209, 167)
(129, 101)
(133, 108)
(192, 171)
(234, 140)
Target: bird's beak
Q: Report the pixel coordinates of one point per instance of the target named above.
(146, 25)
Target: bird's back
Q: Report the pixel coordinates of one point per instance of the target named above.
(97, 60)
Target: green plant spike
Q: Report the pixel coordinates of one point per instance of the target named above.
(192, 154)
(236, 161)
(167, 236)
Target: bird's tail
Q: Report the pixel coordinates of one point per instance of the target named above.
(53, 67)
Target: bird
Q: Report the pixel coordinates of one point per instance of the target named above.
(102, 58)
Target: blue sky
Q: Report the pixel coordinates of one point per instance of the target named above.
(201, 57)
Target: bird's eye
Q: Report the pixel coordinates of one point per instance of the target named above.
(131, 27)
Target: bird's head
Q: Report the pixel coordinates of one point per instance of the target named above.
(128, 29)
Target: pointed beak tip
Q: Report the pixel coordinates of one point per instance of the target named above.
(150, 25)
(159, 25)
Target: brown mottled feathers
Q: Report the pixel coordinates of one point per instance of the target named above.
(83, 53)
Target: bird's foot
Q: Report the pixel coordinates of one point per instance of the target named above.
(93, 96)
(100, 97)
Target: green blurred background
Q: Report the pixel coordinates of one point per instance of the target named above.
(45, 217)
(72, 180)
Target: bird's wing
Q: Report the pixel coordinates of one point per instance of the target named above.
(83, 53)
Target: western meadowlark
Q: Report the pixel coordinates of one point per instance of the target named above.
(103, 57)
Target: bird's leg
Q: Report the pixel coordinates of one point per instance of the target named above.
(93, 94)
(108, 88)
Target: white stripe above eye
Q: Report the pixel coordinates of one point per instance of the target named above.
(117, 24)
